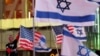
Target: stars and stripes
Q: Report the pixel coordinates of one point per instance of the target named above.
(58, 34)
(26, 38)
(27, 41)
(59, 38)
(37, 36)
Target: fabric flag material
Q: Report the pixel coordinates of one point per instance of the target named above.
(65, 12)
(78, 32)
(41, 46)
(94, 0)
(72, 47)
(58, 32)
(26, 38)
(97, 1)
(37, 36)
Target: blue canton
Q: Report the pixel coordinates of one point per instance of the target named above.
(26, 33)
(63, 4)
(80, 49)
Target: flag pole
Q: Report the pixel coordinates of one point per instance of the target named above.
(54, 36)
(33, 9)
(55, 42)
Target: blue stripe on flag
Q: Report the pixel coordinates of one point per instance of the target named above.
(41, 14)
(69, 34)
(43, 39)
(97, 1)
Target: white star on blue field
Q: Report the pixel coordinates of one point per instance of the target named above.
(80, 49)
(63, 4)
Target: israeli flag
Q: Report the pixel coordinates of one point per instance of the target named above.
(73, 47)
(41, 46)
(79, 33)
(58, 12)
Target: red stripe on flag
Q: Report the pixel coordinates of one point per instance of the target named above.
(25, 48)
(59, 38)
(24, 43)
(37, 36)
(70, 28)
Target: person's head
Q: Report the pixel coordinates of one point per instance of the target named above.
(11, 38)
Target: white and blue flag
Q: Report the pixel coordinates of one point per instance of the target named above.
(81, 12)
(42, 46)
(73, 47)
(78, 32)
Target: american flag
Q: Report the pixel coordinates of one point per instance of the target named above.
(37, 37)
(58, 33)
(26, 38)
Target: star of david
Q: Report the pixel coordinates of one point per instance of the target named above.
(79, 31)
(63, 4)
(80, 49)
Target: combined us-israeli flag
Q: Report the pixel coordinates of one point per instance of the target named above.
(41, 46)
(73, 47)
(78, 32)
(81, 12)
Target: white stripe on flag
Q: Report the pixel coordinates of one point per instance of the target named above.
(65, 12)
(73, 47)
